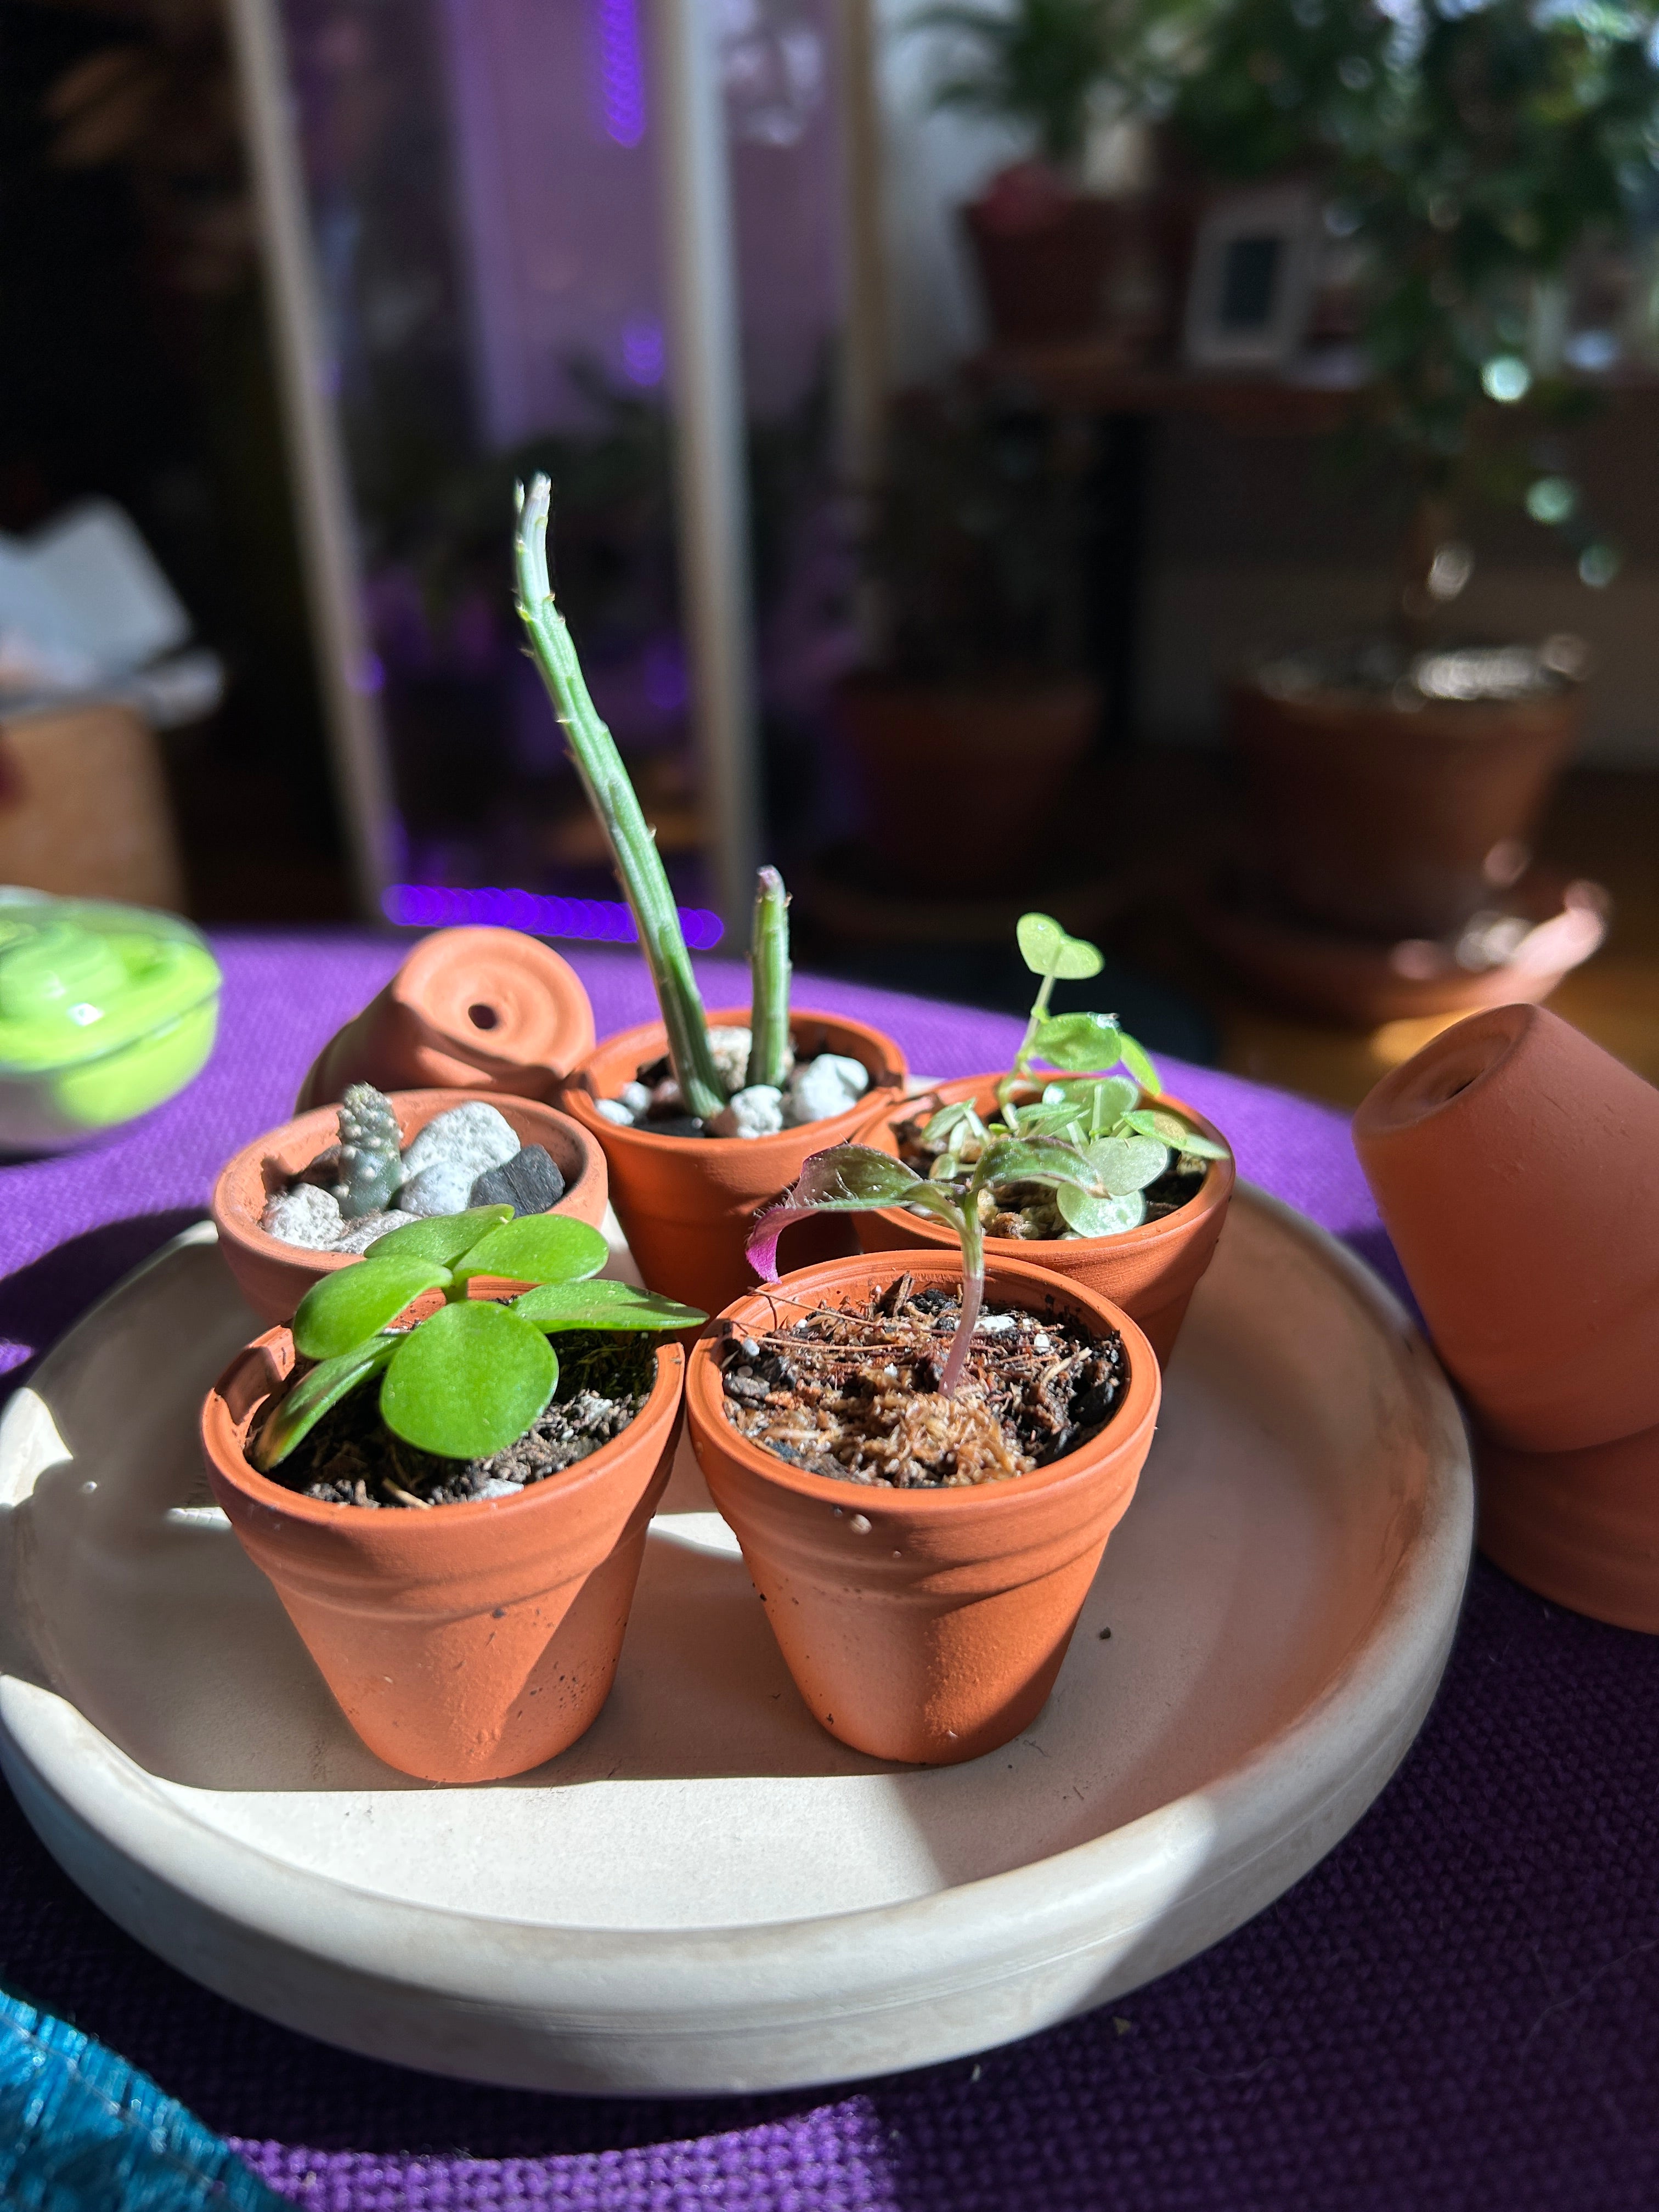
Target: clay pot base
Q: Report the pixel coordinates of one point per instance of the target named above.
(1577, 1526)
(1280, 1598)
(1361, 981)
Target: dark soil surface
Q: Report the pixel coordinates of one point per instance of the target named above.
(1027, 1209)
(349, 1459)
(854, 1392)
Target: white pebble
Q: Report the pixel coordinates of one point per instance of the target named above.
(1040, 1343)
(823, 1087)
(497, 1487)
(756, 1112)
(635, 1097)
(361, 1233)
(305, 1216)
(730, 1046)
(443, 1187)
(474, 1136)
(614, 1110)
(994, 1324)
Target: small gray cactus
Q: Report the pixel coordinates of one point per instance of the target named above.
(370, 1167)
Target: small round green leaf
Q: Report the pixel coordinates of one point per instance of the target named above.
(444, 1237)
(347, 1309)
(1139, 1066)
(469, 1381)
(1120, 1165)
(1048, 951)
(536, 1247)
(1100, 1217)
(1080, 1044)
(603, 1304)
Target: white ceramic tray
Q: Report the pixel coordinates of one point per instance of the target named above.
(707, 1893)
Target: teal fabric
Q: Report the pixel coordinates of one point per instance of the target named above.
(83, 2132)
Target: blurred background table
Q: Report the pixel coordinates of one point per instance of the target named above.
(1458, 2007)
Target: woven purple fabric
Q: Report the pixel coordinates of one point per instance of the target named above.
(1458, 2009)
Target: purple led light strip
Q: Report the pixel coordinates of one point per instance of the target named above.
(605, 922)
(622, 76)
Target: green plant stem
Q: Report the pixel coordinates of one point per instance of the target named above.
(769, 1003)
(633, 848)
(1033, 1022)
(973, 1292)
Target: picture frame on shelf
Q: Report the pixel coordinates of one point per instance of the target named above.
(1251, 290)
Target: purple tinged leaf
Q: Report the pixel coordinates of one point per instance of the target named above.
(845, 1179)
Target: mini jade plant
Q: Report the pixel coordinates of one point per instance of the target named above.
(469, 1379)
(634, 851)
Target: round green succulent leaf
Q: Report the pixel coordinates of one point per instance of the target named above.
(1121, 1164)
(443, 1237)
(468, 1382)
(1081, 1043)
(603, 1304)
(1100, 1217)
(348, 1308)
(1048, 951)
(536, 1247)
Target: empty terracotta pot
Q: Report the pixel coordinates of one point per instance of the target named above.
(1579, 1526)
(468, 1642)
(488, 1010)
(1150, 1271)
(1515, 1165)
(273, 1276)
(686, 1204)
(1390, 823)
(923, 1625)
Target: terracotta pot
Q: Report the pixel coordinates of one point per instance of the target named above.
(1579, 1526)
(939, 753)
(487, 1010)
(273, 1276)
(923, 1625)
(468, 1642)
(1150, 1271)
(1394, 823)
(686, 1204)
(1044, 257)
(1516, 1168)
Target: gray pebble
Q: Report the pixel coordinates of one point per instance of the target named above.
(756, 1112)
(531, 1182)
(360, 1234)
(821, 1087)
(474, 1136)
(305, 1216)
(443, 1187)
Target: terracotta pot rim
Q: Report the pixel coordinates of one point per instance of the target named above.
(883, 1081)
(1470, 1054)
(705, 1399)
(1346, 701)
(237, 1227)
(1215, 1190)
(220, 1438)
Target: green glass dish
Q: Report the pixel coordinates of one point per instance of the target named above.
(105, 1011)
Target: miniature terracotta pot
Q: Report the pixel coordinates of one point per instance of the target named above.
(488, 1010)
(923, 1625)
(1516, 1168)
(467, 1642)
(1390, 823)
(273, 1276)
(1150, 1271)
(1579, 1526)
(686, 1204)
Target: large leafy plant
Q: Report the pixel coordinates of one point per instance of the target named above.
(470, 1378)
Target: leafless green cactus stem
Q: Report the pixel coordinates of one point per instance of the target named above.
(768, 1007)
(633, 847)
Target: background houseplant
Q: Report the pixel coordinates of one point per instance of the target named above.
(1469, 154)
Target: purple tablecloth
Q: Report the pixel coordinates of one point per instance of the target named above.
(1458, 2009)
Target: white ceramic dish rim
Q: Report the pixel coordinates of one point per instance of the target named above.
(80, 1791)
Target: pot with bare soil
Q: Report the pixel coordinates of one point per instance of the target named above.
(451, 1512)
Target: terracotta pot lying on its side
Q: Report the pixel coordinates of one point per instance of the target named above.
(939, 753)
(686, 1204)
(468, 1642)
(1150, 1271)
(923, 1625)
(1515, 1165)
(479, 1009)
(1390, 823)
(273, 1276)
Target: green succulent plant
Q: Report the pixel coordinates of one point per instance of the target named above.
(469, 1379)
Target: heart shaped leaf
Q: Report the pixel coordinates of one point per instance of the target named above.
(603, 1305)
(469, 1381)
(317, 1393)
(1100, 1217)
(347, 1309)
(1171, 1130)
(843, 1179)
(1080, 1044)
(442, 1238)
(1048, 951)
(1101, 1103)
(1037, 1160)
(536, 1247)
(1139, 1066)
(1120, 1165)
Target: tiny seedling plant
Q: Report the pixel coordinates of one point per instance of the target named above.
(1088, 1138)
(471, 1378)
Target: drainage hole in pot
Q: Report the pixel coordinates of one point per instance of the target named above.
(483, 1018)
